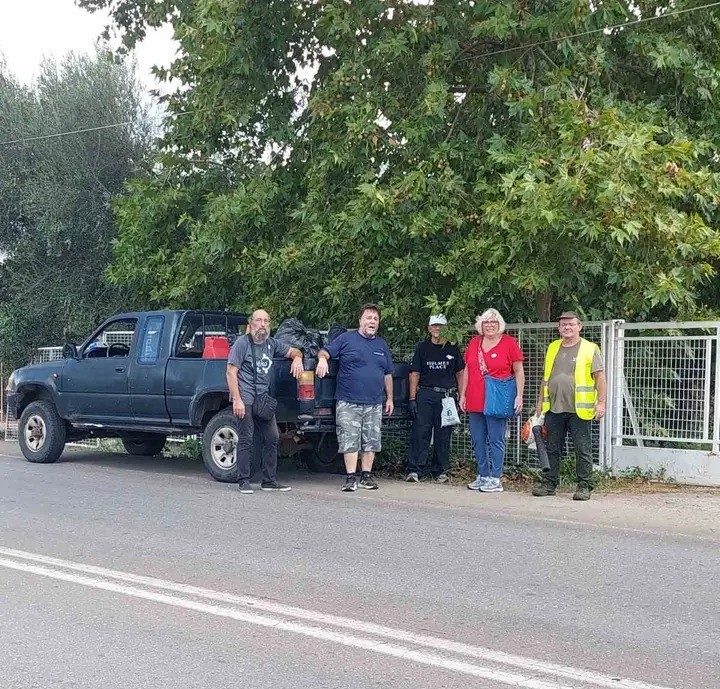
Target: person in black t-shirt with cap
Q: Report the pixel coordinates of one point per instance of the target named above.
(435, 372)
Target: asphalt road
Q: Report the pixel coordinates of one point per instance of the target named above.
(125, 572)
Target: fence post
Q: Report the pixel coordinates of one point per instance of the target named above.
(609, 337)
(716, 401)
(616, 421)
(606, 348)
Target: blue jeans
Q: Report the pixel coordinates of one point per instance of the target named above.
(488, 432)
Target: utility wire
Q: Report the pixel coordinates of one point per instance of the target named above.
(492, 53)
(89, 129)
(602, 29)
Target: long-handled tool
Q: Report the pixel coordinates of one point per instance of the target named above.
(541, 448)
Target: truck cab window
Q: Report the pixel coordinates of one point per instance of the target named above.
(150, 342)
(190, 340)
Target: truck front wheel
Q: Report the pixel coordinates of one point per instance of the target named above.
(144, 444)
(219, 447)
(42, 433)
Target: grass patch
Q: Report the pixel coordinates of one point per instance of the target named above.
(392, 463)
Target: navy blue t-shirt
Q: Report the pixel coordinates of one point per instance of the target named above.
(364, 363)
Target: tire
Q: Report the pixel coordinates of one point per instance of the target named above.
(219, 447)
(323, 457)
(144, 444)
(41, 433)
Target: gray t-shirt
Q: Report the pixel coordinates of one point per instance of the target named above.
(241, 356)
(562, 378)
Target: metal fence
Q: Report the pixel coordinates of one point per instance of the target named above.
(669, 384)
(533, 339)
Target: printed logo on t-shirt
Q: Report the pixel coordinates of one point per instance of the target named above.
(449, 356)
(493, 355)
(264, 364)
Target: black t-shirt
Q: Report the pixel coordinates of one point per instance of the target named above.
(437, 364)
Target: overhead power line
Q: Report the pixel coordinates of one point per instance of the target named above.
(602, 29)
(524, 46)
(88, 129)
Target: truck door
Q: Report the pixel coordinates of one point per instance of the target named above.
(95, 386)
(147, 377)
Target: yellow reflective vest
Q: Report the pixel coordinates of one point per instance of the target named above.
(585, 392)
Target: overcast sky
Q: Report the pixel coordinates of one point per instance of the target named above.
(33, 29)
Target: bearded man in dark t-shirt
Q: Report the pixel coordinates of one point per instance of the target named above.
(435, 373)
(248, 376)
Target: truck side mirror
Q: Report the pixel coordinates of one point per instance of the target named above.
(70, 351)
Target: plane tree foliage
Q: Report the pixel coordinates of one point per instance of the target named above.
(452, 155)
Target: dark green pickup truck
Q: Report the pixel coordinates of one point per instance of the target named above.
(144, 376)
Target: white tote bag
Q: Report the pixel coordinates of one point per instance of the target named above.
(450, 416)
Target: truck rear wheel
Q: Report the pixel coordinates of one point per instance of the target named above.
(41, 433)
(144, 444)
(219, 446)
(324, 457)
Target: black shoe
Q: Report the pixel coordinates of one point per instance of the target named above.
(350, 484)
(245, 487)
(369, 483)
(542, 490)
(274, 485)
(582, 493)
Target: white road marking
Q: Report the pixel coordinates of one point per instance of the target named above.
(98, 578)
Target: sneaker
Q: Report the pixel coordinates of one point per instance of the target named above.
(443, 478)
(274, 485)
(350, 484)
(245, 487)
(582, 493)
(492, 485)
(479, 481)
(542, 490)
(412, 477)
(369, 483)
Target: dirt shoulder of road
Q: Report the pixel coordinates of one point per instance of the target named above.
(664, 509)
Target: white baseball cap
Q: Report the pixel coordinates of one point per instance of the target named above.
(438, 319)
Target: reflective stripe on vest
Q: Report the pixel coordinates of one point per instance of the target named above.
(585, 393)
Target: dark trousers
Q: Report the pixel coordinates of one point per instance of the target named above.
(427, 421)
(269, 436)
(558, 426)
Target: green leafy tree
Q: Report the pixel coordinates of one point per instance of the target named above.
(56, 226)
(448, 155)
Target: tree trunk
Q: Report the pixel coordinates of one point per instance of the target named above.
(543, 302)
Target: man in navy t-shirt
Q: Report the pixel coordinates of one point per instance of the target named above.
(364, 382)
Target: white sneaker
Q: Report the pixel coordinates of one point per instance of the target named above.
(493, 485)
(479, 481)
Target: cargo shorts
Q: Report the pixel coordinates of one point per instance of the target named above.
(358, 427)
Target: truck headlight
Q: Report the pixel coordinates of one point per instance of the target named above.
(11, 385)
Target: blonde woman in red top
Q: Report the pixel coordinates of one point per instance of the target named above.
(503, 358)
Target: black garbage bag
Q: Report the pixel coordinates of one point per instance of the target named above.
(293, 333)
(335, 330)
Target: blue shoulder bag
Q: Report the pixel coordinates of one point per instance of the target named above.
(500, 393)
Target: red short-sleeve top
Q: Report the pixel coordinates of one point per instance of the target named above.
(499, 361)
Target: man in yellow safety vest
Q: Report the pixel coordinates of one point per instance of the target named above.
(572, 395)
